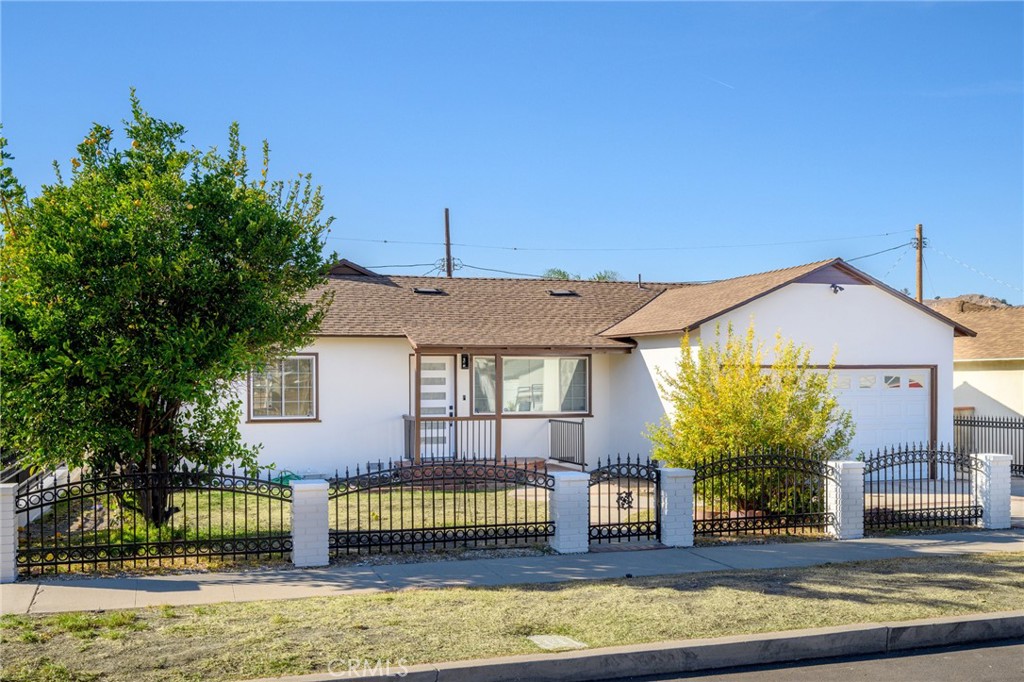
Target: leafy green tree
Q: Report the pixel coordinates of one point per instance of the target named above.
(601, 276)
(725, 400)
(138, 295)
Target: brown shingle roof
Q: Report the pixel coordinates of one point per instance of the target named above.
(482, 312)
(687, 307)
(514, 313)
(1000, 334)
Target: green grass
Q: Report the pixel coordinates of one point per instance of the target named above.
(235, 641)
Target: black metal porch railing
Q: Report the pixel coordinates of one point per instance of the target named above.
(567, 442)
(470, 438)
(993, 435)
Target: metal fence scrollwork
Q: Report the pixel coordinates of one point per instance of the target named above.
(761, 493)
(91, 521)
(447, 505)
(624, 501)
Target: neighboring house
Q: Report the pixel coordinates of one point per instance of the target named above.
(988, 369)
(435, 367)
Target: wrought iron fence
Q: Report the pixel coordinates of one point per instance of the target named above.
(761, 493)
(998, 435)
(567, 442)
(624, 503)
(406, 506)
(918, 486)
(92, 521)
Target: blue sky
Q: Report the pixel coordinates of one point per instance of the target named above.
(630, 137)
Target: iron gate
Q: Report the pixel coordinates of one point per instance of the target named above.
(911, 487)
(624, 501)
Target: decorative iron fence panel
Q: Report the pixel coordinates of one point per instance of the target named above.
(914, 487)
(761, 493)
(439, 505)
(567, 444)
(93, 520)
(624, 501)
(999, 435)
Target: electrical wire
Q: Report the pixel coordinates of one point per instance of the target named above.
(976, 270)
(898, 259)
(413, 265)
(491, 269)
(876, 253)
(619, 249)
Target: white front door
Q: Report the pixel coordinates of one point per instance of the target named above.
(889, 406)
(437, 399)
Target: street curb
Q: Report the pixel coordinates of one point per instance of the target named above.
(682, 656)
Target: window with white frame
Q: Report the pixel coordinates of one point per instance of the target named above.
(286, 389)
(551, 385)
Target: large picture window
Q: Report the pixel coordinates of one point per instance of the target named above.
(286, 389)
(531, 385)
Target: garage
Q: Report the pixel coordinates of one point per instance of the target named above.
(890, 405)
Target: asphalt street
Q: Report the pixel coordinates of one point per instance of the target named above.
(1000, 662)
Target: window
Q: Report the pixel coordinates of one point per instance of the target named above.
(867, 381)
(892, 381)
(286, 389)
(531, 385)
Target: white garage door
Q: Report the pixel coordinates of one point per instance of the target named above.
(889, 406)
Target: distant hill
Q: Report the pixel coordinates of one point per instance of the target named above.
(966, 303)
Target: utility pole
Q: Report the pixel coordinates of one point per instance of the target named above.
(448, 248)
(920, 262)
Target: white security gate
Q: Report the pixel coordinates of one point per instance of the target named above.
(889, 406)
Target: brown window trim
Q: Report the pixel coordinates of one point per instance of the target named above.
(499, 358)
(249, 419)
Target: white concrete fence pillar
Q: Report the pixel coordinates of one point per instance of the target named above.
(8, 533)
(310, 532)
(676, 507)
(845, 499)
(570, 512)
(993, 492)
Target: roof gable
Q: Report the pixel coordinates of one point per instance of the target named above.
(686, 308)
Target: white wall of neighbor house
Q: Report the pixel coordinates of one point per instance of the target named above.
(363, 386)
(994, 388)
(863, 324)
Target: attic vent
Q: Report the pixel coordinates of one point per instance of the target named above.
(428, 290)
(562, 292)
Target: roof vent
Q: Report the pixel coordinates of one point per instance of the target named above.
(433, 291)
(562, 292)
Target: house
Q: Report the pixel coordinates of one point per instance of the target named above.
(429, 367)
(988, 369)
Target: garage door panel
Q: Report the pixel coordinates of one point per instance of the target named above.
(889, 406)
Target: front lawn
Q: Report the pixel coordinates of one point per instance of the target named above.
(234, 641)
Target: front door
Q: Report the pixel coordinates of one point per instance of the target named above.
(437, 401)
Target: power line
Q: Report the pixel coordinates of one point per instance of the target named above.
(413, 265)
(976, 270)
(504, 272)
(898, 259)
(901, 246)
(619, 249)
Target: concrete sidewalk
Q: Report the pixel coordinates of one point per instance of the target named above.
(53, 595)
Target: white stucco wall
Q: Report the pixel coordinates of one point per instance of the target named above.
(363, 393)
(993, 389)
(865, 325)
